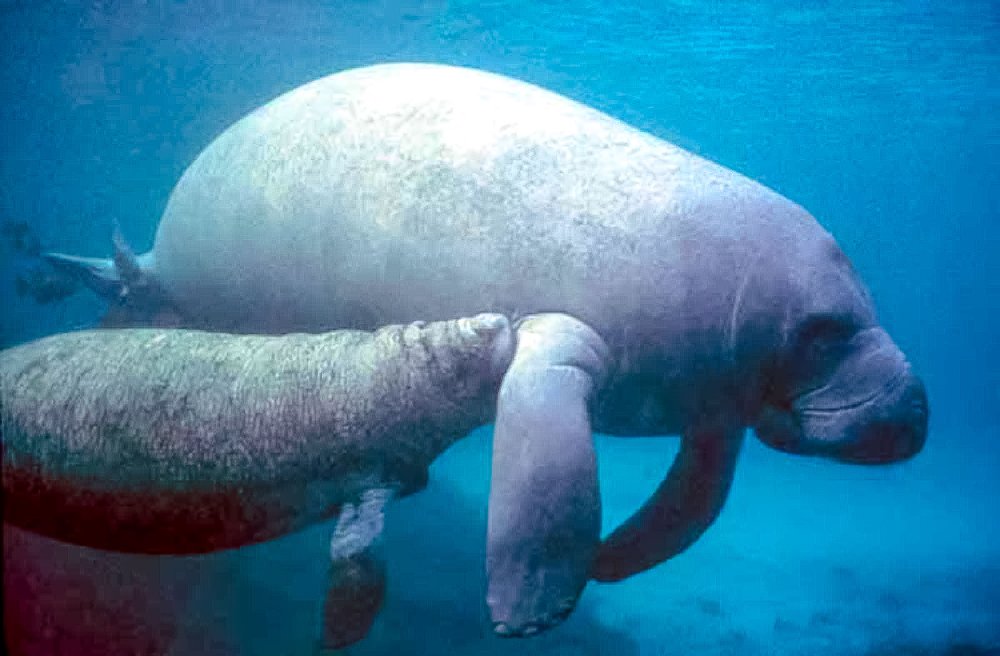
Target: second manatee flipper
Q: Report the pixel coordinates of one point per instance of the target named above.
(172, 441)
(544, 507)
(682, 507)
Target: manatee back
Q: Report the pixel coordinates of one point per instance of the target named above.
(385, 193)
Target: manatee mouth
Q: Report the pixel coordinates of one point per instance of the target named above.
(892, 436)
(801, 406)
(885, 426)
(537, 625)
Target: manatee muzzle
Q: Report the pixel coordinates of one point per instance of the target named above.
(871, 410)
(888, 427)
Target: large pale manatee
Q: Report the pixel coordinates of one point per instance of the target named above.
(657, 293)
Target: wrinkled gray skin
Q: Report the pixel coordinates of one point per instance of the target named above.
(178, 441)
(676, 296)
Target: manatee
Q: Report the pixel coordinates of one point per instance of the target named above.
(655, 292)
(181, 441)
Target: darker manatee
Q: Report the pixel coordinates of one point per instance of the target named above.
(179, 441)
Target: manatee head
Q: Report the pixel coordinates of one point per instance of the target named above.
(839, 386)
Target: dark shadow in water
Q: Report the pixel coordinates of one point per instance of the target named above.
(267, 599)
(63, 599)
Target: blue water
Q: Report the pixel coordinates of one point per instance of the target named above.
(882, 118)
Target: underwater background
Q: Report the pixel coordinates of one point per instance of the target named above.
(881, 118)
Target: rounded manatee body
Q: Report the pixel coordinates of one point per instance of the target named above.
(178, 441)
(660, 294)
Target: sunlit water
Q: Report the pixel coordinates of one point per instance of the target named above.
(882, 118)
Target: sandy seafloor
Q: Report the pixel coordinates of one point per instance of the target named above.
(882, 118)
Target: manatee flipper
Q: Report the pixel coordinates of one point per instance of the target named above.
(357, 579)
(544, 507)
(682, 507)
(354, 597)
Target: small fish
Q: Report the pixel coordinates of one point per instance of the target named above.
(20, 237)
(44, 286)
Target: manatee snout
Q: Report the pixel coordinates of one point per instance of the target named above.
(897, 433)
(870, 409)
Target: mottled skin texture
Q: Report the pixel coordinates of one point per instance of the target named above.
(176, 441)
(712, 303)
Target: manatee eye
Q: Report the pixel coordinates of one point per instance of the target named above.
(819, 344)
